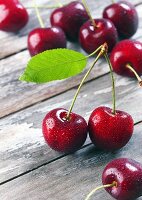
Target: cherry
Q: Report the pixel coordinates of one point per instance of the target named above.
(122, 179)
(62, 134)
(124, 16)
(41, 39)
(124, 53)
(110, 131)
(57, 17)
(13, 16)
(91, 37)
(70, 18)
(127, 174)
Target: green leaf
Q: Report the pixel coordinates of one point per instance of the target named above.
(54, 64)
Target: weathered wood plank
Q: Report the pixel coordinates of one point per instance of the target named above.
(21, 141)
(71, 177)
(13, 43)
(16, 95)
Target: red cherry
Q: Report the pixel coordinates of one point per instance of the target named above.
(127, 52)
(57, 16)
(42, 39)
(124, 16)
(91, 38)
(64, 135)
(127, 174)
(110, 131)
(70, 18)
(13, 16)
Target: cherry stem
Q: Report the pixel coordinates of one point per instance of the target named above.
(136, 74)
(138, 4)
(90, 16)
(94, 52)
(114, 184)
(102, 49)
(113, 1)
(113, 83)
(38, 14)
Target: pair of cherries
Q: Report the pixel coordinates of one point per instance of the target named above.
(109, 129)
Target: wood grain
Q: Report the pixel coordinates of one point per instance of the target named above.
(21, 141)
(44, 173)
(71, 177)
(15, 95)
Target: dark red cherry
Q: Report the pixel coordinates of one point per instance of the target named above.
(91, 38)
(70, 18)
(64, 135)
(110, 131)
(42, 39)
(56, 17)
(127, 174)
(127, 52)
(13, 16)
(124, 16)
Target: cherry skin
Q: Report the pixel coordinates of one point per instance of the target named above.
(13, 16)
(127, 174)
(124, 16)
(42, 39)
(127, 52)
(108, 131)
(91, 38)
(70, 18)
(64, 135)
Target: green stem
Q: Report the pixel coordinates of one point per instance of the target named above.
(113, 83)
(83, 80)
(113, 1)
(114, 184)
(94, 52)
(90, 16)
(38, 14)
(135, 73)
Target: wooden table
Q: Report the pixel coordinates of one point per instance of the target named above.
(29, 169)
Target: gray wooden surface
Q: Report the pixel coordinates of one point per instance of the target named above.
(29, 169)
